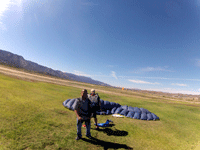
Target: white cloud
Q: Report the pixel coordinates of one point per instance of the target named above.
(79, 73)
(4, 6)
(178, 84)
(151, 69)
(142, 82)
(159, 78)
(113, 74)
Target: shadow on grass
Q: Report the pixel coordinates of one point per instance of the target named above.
(60, 112)
(105, 144)
(115, 132)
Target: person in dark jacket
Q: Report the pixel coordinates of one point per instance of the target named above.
(83, 113)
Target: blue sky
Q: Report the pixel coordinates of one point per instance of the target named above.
(149, 45)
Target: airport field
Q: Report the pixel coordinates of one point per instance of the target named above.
(32, 117)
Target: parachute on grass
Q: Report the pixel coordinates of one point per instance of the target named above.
(115, 108)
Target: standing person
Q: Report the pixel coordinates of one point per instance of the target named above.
(95, 104)
(83, 112)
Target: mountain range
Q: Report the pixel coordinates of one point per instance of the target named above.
(17, 61)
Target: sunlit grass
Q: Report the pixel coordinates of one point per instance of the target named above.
(32, 117)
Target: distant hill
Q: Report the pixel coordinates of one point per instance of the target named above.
(13, 60)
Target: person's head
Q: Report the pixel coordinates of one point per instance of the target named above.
(84, 93)
(92, 91)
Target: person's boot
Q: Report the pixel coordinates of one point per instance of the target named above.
(78, 138)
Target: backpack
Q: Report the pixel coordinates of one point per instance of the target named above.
(94, 101)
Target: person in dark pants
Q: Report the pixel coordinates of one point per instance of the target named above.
(83, 112)
(95, 104)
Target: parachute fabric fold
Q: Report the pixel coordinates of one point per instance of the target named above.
(130, 114)
(124, 112)
(69, 104)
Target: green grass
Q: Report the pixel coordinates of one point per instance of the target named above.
(32, 117)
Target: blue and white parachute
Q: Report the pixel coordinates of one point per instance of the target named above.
(109, 108)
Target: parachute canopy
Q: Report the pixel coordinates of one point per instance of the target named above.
(109, 108)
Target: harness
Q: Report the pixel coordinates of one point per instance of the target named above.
(81, 111)
(94, 101)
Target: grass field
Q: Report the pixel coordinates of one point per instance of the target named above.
(32, 117)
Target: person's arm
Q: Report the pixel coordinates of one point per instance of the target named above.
(76, 109)
(79, 118)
